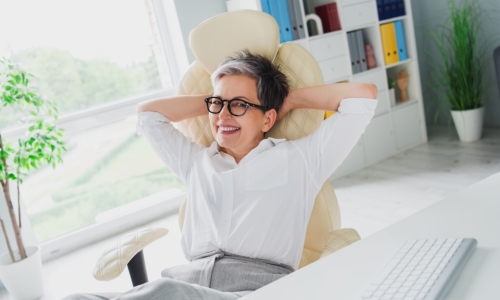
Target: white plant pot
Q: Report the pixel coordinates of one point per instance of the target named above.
(23, 279)
(469, 123)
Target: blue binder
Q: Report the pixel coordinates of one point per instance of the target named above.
(265, 6)
(400, 39)
(381, 10)
(285, 20)
(274, 11)
(279, 10)
(387, 9)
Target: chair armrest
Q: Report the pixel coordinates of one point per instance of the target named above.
(339, 239)
(114, 259)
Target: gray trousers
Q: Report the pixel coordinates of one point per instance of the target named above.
(219, 277)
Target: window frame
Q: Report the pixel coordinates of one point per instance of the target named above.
(100, 115)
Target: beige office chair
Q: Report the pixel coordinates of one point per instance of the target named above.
(212, 42)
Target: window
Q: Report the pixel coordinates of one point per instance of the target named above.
(96, 59)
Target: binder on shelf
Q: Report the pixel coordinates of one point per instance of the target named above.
(293, 19)
(351, 52)
(357, 59)
(400, 40)
(279, 10)
(387, 9)
(329, 16)
(394, 8)
(380, 9)
(285, 19)
(264, 4)
(356, 51)
(361, 50)
(401, 7)
(388, 34)
(296, 17)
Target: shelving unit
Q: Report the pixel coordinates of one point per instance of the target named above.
(394, 128)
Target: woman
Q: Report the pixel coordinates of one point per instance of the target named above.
(249, 198)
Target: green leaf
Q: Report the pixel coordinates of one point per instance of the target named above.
(12, 176)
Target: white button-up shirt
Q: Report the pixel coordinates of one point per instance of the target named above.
(259, 207)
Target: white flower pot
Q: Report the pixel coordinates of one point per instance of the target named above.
(469, 123)
(23, 279)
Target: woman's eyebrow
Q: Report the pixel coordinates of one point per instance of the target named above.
(240, 97)
(236, 97)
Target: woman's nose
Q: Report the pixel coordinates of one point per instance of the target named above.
(224, 113)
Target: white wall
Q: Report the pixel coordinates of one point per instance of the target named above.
(193, 12)
(429, 15)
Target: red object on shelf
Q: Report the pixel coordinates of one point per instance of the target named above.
(329, 16)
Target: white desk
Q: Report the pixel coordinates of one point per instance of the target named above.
(473, 212)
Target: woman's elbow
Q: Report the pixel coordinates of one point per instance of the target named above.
(372, 90)
(140, 107)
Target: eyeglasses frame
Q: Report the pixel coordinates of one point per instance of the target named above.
(248, 104)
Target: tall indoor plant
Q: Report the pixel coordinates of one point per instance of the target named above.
(42, 143)
(461, 77)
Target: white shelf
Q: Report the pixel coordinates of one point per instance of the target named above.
(399, 63)
(392, 19)
(401, 105)
(393, 128)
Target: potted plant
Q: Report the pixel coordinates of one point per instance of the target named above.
(460, 77)
(42, 143)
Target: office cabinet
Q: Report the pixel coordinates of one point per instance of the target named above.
(407, 126)
(396, 126)
(378, 139)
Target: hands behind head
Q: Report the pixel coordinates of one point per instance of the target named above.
(285, 107)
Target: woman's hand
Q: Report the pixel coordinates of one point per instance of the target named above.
(286, 106)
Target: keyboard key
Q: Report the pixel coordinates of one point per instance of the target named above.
(387, 270)
(367, 294)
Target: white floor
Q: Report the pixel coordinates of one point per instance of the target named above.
(370, 200)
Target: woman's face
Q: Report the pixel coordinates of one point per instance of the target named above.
(239, 134)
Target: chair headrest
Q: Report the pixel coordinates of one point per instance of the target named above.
(220, 37)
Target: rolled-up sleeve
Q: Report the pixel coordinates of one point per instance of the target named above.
(327, 147)
(175, 149)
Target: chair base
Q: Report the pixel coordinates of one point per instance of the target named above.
(137, 269)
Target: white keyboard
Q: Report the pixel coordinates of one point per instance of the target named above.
(422, 269)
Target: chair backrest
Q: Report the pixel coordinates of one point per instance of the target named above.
(224, 35)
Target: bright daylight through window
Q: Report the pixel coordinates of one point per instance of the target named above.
(87, 53)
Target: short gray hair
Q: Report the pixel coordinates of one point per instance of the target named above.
(272, 84)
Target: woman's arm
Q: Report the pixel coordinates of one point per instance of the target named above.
(176, 108)
(326, 97)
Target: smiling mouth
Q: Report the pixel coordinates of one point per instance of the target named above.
(228, 129)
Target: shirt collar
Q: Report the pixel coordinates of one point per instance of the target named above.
(264, 145)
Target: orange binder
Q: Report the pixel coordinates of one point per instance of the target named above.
(388, 33)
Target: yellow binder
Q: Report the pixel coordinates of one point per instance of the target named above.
(388, 33)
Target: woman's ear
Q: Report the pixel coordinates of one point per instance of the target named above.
(269, 119)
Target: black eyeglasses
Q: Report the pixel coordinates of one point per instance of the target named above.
(236, 107)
